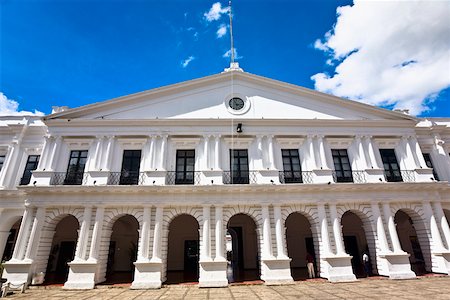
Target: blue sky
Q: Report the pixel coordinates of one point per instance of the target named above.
(78, 52)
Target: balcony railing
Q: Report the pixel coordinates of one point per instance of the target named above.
(126, 178)
(239, 177)
(339, 177)
(400, 175)
(355, 177)
(180, 177)
(408, 175)
(68, 178)
(296, 176)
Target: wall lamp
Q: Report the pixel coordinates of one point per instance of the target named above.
(239, 128)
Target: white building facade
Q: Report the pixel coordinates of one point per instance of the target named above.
(147, 187)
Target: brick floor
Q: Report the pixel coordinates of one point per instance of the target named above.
(429, 288)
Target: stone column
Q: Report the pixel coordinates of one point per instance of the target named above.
(97, 234)
(162, 163)
(381, 233)
(143, 253)
(442, 220)
(22, 237)
(206, 236)
(109, 154)
(322, 152)
(259, 158)
(361, 161)
(417, 153)
(55, 154)
(271, 164)
(219, 234)
(267, 235)
(83, 236)
(205, 152)
(11, 155)
(279, 233)
(151, 154)
(374, 153)
(434, 229)
(217, 152)
(337, 230)
(324, 228)
(98, 154)
(45, 153)
(157, 235)
(35, 235)
(392, 228)
(309, 153)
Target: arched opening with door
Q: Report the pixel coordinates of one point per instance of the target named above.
(356, 244)
(300, 246)
(183, 250)
(243, 253)
(62, 250)
(414, 240)
(122, 250)
(10, 241)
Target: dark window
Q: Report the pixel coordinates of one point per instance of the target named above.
(429, 163)
(291, 166)
(130, 167)
(184, 172)
(32, 163)
(75, 170)
(391, 167)
(342, 165)
(239, 166)
(2, 160)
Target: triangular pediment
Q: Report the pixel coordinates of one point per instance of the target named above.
(208, 98)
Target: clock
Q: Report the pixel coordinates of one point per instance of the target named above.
(236, 103)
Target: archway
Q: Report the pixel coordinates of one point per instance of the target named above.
(183, 250)
(10, 241)
(355, 243)
(122, 250)
(300, 243)
(244, 255)
(62, 250)
(413, 239)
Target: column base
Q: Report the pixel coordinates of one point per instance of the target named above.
(442, 262)
(18, 271)
(340, 268)
(213, 274)
(276, 271)
(81, 275)
(399, 265)
(147, 275)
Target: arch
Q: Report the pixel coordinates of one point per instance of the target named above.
(8, 238)
(414, 239)
(301, 245)
(62, 250)
(244, 258)
(183, 249)
(354, 232)
(122, 248)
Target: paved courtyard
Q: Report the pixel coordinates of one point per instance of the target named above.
(423, 288)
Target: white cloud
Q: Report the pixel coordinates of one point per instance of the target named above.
(228, 54)
(221, 31)
(215, 12)
(388, 53)
(187, 61)
(9, 107)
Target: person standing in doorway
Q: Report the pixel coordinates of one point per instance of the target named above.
(366, 263)
(310, 265)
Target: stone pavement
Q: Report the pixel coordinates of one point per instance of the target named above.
(429, 288)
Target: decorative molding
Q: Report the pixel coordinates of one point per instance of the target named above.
(290, 142)
(239, 142)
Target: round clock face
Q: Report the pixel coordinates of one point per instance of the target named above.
(236, 103)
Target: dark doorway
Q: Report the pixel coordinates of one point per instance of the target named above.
(183, 250)
(352, 249)
(62, 250)
(244, 256)
(191, 260)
